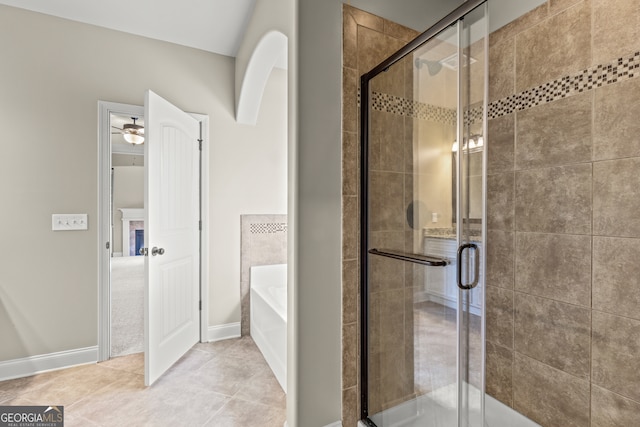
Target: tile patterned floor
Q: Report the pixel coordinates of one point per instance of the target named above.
(221, 384)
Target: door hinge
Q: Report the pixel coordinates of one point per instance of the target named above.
(200, 225)
(200, 305)
(200, 144)
(108, 245)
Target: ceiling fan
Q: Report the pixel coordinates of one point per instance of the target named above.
(132, 132)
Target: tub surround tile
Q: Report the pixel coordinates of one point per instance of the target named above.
(555, 266)
(616, 27)
(616, 354)
(553, 333)
(616, 198)
(499, 373)
(612, 410)
(554, 48)
(549, 396)
(564, 138)
(499, 316)
(554, 200)
(616, 128)
(500, 202)
(263, 242)
(616, 276)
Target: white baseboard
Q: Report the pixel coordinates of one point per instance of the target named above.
(224, 332)
(27, 366)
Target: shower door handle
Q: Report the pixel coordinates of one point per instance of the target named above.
(476, 269)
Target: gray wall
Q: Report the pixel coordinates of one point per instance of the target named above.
(318, 235)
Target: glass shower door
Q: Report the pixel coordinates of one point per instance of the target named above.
(423, 226)
(470, 163)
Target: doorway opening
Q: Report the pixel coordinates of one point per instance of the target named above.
(122, 229)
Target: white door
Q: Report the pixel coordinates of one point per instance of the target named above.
(172, 206)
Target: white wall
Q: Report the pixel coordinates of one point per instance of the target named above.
(252, 179)
(53, 73)
(267, 16)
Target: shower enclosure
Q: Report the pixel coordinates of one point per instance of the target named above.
(423, 122)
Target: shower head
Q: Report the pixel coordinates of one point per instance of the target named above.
(433, 67)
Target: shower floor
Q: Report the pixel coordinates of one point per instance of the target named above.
(435, 380)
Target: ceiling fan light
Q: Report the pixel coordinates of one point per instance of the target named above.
(133, 138)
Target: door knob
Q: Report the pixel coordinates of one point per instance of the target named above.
(157, 251)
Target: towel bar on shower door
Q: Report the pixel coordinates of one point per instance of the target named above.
(429, 260)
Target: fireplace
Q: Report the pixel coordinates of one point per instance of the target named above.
(132, 231)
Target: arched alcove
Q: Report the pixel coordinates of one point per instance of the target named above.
(270, 50)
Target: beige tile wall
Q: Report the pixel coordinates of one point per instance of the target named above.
(563, 311)
(563, 329)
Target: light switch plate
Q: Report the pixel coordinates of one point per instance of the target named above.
(68, 222)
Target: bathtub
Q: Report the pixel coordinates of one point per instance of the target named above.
(269, 316)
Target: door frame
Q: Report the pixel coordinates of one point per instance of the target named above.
(104, 227)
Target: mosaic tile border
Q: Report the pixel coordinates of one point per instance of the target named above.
(594, 77)
(597, 76)
(418, 110)
(268, 228)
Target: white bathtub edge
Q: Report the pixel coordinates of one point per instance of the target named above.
(270, 355)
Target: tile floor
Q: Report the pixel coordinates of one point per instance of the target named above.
(221, 384)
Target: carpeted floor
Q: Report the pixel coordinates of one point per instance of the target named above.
(127, 305)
